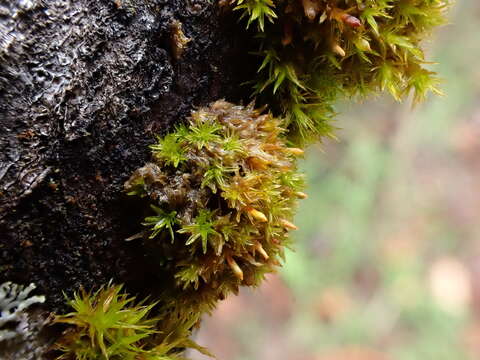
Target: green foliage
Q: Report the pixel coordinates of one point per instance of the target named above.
(161, 221)
(217, 174)
(257, 10)
(169, 150)
(202, 134)
(315, 51)
(229, 203)
(202, 227)
(108, 324)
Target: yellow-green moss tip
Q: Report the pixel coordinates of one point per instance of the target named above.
(313, 51)
(223, 187)
(110, 325)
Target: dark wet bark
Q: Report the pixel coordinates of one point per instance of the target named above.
(84, 86)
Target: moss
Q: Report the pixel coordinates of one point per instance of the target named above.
(110, 324)
(223, 189)
(314, 51)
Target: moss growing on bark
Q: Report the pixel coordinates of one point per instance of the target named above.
(222, 189)
(110, 324)
(314, 51)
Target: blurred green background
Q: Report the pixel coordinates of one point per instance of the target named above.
(387, 258)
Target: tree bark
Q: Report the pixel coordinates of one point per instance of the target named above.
(84, 87)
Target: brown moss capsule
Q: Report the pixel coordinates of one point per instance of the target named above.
(261, 250)
(258, 215)
(350, 20)
(235, 268)
(295, 151)
(301, 195)
(337, 49)
(288, 225)
(257, 163)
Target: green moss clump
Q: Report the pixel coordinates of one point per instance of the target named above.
(222, 190)
(108, 324)
(313, 51)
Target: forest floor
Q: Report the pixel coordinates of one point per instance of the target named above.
(387, 260)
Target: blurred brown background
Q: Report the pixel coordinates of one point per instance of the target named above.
(387, 260)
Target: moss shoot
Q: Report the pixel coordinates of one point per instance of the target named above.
(110, 324)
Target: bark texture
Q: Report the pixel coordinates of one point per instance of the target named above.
(84, 87)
